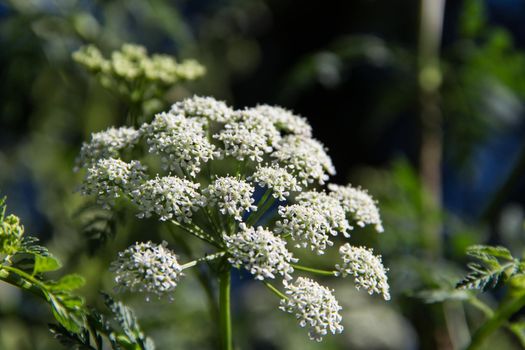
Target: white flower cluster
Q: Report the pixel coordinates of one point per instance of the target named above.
(249, 135)
(231, 195)
(270, 148)
(359, 204)
(181, 142)
(280, 181)
(285, 120)
(147, 267)
(109, 178)
(105, 144)
(367, 269)
(203, 107)
(312, 221)
(306, 225)
(314, 306)
(168, 197)
(260, 252)
(305, 158)
(132, 62)
(329, 208)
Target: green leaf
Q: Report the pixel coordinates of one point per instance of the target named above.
(483, 277)
(127, 320)
(483, 252)
(67, 283)
(77, 341)
(46, 264)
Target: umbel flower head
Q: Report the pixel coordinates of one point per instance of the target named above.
(260, 251)
(367, 269)
(147, 267)
(247, 183)
(314, 306)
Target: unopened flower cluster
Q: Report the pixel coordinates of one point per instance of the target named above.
(248, 182)
(132, 64)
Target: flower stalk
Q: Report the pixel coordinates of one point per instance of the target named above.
(225, 310)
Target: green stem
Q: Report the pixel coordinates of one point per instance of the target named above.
(204, 258)
(267, 201)
(312, 270)
(197, 232)
(501, 315)
(225, 312)
(275, 290)
(13, 277)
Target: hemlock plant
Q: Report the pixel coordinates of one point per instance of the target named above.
(248, 183)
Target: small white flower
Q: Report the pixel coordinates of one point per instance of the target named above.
(314, 306)
(248, 135)
(147, 268)
(180, 141)
(260, 252)
(168, 197)
(106, 144)
(359, 204)
(329, 208)
(304, 157)
(285, 120)
(231, 195)
(109, 178)
(306, 225)
(280, 181)
(203, 107)
(367, 269)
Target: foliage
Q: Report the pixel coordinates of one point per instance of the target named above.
(24, 264)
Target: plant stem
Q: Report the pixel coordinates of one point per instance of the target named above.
(275, 290)
(225, 312)
(262, 208)
(312, 270)
(209, 257)
(501, 315)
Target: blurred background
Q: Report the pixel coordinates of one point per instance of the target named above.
(420, 101)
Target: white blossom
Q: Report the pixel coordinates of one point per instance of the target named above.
(306, 225)
(248, 135)
(285, 120)
(280, 181)
(359, 204)
(260, 252)
(367, 269)
(180, 141)
(203, 107)
(109, 178)
(231, 195)
(106, 144)
(305, 158)
(168, 197)
(147, 268)
(314, 306)
(329, 208)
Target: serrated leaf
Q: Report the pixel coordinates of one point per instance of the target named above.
(480, 277)
(46, 264)
(67, 283)
(483, 252)
(77, 341)
(127, 320)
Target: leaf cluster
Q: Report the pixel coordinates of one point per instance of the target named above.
(494, 265)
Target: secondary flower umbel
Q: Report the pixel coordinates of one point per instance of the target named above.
(240, 180)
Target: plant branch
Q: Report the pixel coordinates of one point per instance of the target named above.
(316, 271)
(225, 310)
